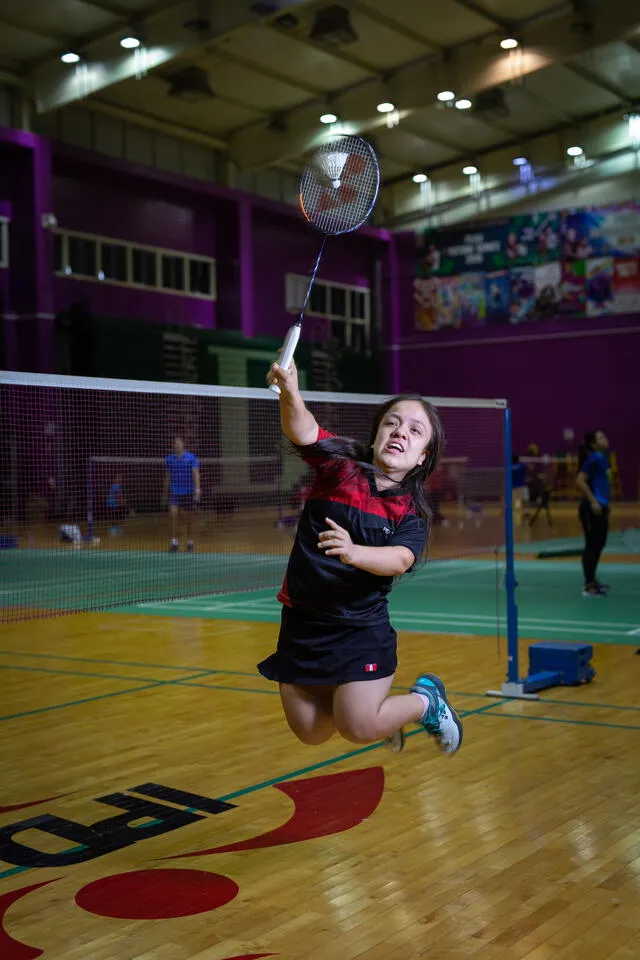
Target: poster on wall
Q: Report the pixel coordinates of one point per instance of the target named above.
(425, 296)
(497, 296)
(533, 238)
(614, 230)
(471, 300)
(523, 293)
(450, 252)
(599, 286)
(626, 285)
(547, 284)
(573, 293)
(447, 312)
(575, 243)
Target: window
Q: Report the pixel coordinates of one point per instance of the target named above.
(145, 267)
(318, 299)
(200, 276)
(117, 262)
(82, 256)
(58, 253)
(345, 306)
(358, 305)
(338, 302)
(172, 272)
(114, 262)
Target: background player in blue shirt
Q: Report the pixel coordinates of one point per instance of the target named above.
(594, 483)
(182, 491)
(364, 523)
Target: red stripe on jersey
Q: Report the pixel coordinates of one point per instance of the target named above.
(341, 483)
(283, 596)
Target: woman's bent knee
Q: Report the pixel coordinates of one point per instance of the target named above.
(314, 736)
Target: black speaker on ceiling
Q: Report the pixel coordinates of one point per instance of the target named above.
(332, 26)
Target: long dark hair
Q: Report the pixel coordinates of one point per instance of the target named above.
(587, 446)
(414, 483)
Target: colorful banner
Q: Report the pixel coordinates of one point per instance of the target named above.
(547, 281)
(471, 300)
(530, 266)
(523, 293)
(573, 292)
(451, 252)
(498, 296)
(599, 286)
(626, 285)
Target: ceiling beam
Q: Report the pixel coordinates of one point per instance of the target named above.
(35, 31)
(414, 86)
(516, 142)
(384, 21)
(480, 11)
(328, 51)
(598, 81)
(54, 84)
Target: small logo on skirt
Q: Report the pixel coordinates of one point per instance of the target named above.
(370, 667)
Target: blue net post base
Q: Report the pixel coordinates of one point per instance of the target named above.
(551, 665)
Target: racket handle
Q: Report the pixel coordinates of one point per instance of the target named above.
(288, 350)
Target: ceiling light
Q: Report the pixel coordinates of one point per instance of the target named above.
(385, 107)
(520, 161)
(469, 170)
(70, 57)
(130, 41)
(633, 128)
(463, 104)
(446, 95)
(328, 118)
(420, 178)
(509, 43)
(575, 151)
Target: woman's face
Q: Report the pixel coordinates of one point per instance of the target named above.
(402, 439)
(600, 441)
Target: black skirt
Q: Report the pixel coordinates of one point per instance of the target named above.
(312, 651)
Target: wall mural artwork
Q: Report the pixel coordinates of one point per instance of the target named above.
(573, 263)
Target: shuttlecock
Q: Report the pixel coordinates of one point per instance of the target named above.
(332, 165)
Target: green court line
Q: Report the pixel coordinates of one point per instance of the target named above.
(103, 696)
(120, 663)
(578, 723)
(286, 776)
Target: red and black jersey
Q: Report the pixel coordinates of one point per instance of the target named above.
(325, 588)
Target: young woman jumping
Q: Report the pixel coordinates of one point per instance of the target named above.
(364, 523)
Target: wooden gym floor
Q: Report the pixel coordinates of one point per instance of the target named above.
(154, 806)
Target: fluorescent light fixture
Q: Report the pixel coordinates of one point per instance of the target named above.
(509, 43)
(328, 118)
(463, 104)
(385, 107)
(420, 178)
(469, 170)
(575, 151)
(130, 41)
(520, 161)
(70, 57)
(446, 95)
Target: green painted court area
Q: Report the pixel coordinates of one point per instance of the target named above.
(464, 596)
(460, 596)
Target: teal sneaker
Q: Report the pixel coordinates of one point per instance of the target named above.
(440, 719)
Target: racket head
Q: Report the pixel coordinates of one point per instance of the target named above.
(339, 185)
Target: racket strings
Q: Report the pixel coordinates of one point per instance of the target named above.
(340, 185)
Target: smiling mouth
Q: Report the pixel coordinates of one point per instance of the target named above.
(394, 448)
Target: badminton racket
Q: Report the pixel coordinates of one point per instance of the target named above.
(338, 190)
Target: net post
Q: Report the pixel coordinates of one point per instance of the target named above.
(510, 572)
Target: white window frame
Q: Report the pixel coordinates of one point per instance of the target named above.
(295, 291)
(159, 252)
(4, 245)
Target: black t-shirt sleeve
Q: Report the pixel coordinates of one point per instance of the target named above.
(411, 532)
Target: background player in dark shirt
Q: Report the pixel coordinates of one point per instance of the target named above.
(594, 483)
(363, 524)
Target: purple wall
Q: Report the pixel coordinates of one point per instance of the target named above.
(554, 375)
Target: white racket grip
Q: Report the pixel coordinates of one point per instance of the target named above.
(288, 350)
